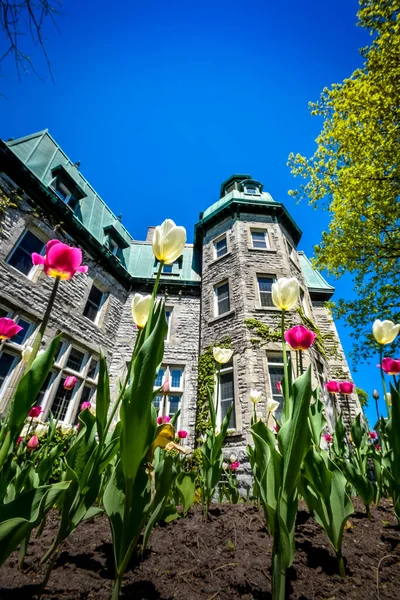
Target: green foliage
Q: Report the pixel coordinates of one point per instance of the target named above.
(362, 396)
(264, 333)
(355, 174)
(206, 376)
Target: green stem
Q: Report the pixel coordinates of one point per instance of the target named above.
(340, 560)
(278, 579)
(117, 587)
(383, 378)
(217, 399)
(285, 386)
(301, 361)
(377, 410)
(125, 526)
(42, 328)
(153, 297)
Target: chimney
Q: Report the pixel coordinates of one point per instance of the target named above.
(150, 234)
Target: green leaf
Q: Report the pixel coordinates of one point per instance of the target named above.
(102, 397)
(186, 485)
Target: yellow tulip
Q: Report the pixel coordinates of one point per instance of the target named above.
(140, 309)
(385, 331)
(285, 292)
(168, 241)
(222, 355)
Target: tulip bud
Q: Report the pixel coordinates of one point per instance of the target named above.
(70, 382)
(168, 241)
(272, 406)
(140, 309)
(222, 355)
(255, 396)
(373, 435)
(385, 332)
(33, 443)
(26, 353)
(165, 388)
(375, 395)
(285, 292)
(233, 458)
(182, 434)
(35, 412)
(86, 405)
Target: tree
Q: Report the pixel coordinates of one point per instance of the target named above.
(21, 20)
(355, 174)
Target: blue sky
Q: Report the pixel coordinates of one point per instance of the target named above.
(163, 101)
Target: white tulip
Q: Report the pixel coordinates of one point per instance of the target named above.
(388, 398)
(232, 458)
(26, 353)
(41, 430)
(385, 331)
(168, 241)
(140, 309)
(255, 396)
(222, 355)
(224, 465)
(285, 292)
(272, 406)
(65, 429)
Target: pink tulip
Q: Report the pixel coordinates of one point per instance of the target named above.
(33, 443)
(165, 388)
(182, 434)
(391, 366)
(300, 338)
(332, 387)
(86, 405)
(160, 420)
(8, 328)
(279, 387)
(276, 428)
(373, 435)
(378, 447)
(60, 260)
(19, 440)
(233, 466)
(35, 412)
(70, 382)
(346, 387)
(77, 426)
(328, 438)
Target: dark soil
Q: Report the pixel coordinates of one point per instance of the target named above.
(226, 558)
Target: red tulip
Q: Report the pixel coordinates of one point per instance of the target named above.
(328, 438)
(346, 387)
(378, 447)
(300, 338)
(70, 382)
(8, 328)
(373, 435)
(233, 466)
(33, 443)
(332, 387)
(182, 434)
(60, 260)
(35, 412)
(19, 440)
(279, 387)
(391, 366)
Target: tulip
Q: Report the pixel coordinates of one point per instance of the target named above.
(388, 398)
(375, 395)
(66, 429)
(165, 388)
(92, 409)
(285, 292)
(222, 355)
(41, 430)
(272, 406)
(86, 405)
(19, 440)
(328, 438)
(332, 387)
(385, 331)
(276, 428)
(70, 382)
(60, 260)
(300, 338)
(26, 353)
(182, 434)
(373, 435)
(33, 443)
(168, 241)
(279, 387)
(140, 309)
(255, 396)
(391, 366)
(378, 447)
(346, 387)
(233, 458)
(160, 420)
(8, 328)
(35, 412)
(234, 465)
(224, 466)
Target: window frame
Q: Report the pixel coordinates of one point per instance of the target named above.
(174, 391)
(266, 236)
(259, 296)
(216, 302)
(216, 241)
(225, 370)
(168, 311)
(14, 364)
(270, 355)
(16, 246)
(100, 306)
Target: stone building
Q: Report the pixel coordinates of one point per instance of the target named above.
(219, 289)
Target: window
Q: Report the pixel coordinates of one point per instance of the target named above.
(222, 304)
(168, 316)
(167, 268)
(92, 371)
(304, 304)
(21, 256)
(275, 370)
(75, 360)
(220, 247)
(291, 250)
(169, 404)
(226, 395)
(320, 375)
(63, 192)
(251, 189)
(259, 239)
(7, 363)
(93, 304)
(265, 290)
(41, 397)
(23, 335)
(61, 401)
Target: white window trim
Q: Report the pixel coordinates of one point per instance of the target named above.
(226, 369)
(10, 372)
(104, 296)
(258, 277)
(169, 321)
(216, 306)
(215, 242)
(174, 391)
(266, 238)
(34, 268)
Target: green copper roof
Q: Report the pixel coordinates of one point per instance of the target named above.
(315, 281)
(41, 154)
(263, 198)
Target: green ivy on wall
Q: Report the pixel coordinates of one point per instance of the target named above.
(205, 383)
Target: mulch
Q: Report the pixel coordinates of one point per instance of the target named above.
(226, 558)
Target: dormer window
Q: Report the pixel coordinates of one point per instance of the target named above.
(250, 189)
(64, 193)
(66, 188)
(113, 247)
